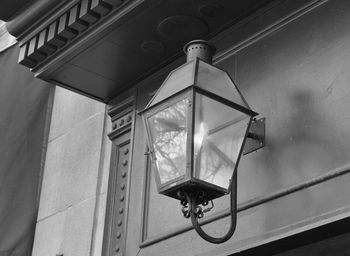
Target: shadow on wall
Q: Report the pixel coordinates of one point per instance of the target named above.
(301, 147)
(23, 115)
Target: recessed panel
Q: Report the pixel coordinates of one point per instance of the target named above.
(87, 83)
(111, 62)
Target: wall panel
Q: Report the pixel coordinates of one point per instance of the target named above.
(297, 77)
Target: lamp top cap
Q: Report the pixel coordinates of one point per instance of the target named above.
(199, 49)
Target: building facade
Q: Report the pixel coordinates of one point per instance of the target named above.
(107, 58)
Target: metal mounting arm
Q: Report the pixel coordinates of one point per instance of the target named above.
(191, 200)
(255, 136)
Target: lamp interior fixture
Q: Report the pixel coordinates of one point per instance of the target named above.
(198, 126)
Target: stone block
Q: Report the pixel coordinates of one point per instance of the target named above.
(72, 167)
(51, 181)
(99, 227)
(49, 235)
(69, 110)
(78, 229)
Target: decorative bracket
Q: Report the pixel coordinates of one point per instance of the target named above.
(255, 137)
(121, 111)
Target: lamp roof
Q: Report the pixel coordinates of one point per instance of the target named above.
(199, 74)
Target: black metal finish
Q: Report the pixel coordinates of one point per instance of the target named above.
(193, 192)
(191, 187)
(225, 101)
(188, 183)
(146, 114)
(199, 49)
(195, 212)
(255, 137)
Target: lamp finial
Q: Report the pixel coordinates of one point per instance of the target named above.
(199, 49)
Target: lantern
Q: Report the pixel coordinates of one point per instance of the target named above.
(197, 124)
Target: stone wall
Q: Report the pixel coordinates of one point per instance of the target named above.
(74, 183)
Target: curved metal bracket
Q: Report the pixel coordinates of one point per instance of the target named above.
(192, 212)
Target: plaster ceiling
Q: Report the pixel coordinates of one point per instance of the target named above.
(146, 42)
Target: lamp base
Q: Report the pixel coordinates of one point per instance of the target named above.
(205, 191)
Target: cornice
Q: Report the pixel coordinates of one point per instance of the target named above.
(73, 24)
(30, 17)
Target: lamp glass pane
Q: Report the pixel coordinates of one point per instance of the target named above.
(215, 80)
(176, 81)
(168, 129)
(218, 137)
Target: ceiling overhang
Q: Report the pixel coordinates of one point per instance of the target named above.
(100, 48)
